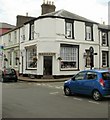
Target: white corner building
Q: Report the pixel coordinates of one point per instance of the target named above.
(58, 44)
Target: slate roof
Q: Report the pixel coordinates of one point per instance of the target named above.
(101, 26)
(66, 14)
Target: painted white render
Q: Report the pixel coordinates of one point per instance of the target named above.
(45, 47)
(49, 34)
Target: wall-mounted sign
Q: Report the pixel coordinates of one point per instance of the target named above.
(47, 54)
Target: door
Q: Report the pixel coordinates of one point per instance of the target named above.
(47, 65)
(76, 85)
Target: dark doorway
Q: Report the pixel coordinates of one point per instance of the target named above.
(47, 65)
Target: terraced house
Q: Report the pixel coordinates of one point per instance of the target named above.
(57, 43)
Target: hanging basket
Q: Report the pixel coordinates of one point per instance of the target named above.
(34, 59)
(59, 58)
(5, 59)
(17, 58)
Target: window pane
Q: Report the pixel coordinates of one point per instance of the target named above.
(69, 57)
(69, 30)
(91, 75)
(104, 38)
(106, 76)
(104, 58)
(88, 33)
(80, 76)
(31, 58)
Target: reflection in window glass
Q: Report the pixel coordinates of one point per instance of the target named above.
(80, 76)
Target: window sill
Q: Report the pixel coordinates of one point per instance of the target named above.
(31, 68)
(89, 40)
(69, 69)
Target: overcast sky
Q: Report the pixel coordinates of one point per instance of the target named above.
(96, 10)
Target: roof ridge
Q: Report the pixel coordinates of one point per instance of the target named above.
(59, 12)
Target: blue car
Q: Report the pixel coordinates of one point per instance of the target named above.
(95, 83)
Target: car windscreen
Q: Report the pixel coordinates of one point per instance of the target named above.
(106, 75)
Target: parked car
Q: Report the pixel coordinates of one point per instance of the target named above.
(95, 83)
(8, 75)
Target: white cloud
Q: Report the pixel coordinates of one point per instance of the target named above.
(91, 9)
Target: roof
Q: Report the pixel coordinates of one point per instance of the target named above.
(101, 26)
(6, 25)
(98, 70)
(22, 19)
(66, 14)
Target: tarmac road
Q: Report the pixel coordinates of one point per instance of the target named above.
(47, 100)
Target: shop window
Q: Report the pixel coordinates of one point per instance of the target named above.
(31, 57)
(16, 58)
(69, 57)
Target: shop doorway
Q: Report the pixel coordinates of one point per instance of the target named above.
(47, 65)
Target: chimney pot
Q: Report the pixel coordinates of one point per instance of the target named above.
(47, 7)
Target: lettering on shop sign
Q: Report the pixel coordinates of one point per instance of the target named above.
(47, 53)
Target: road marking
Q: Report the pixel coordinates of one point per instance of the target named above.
(77, 99)
(65, 96)
(50, 86)
(38, 84)
(54, 93)
(93, 102)
(58, 87)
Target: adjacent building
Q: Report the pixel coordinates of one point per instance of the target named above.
(5, 27)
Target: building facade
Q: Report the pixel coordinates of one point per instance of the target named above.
(57, 44)
(5, 27)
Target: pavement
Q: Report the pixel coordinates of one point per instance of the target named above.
(28, 79)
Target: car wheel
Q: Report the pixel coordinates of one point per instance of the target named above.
(67, 91)
(16, 80)
(96, 95)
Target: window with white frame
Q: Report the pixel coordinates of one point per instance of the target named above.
(89, 31)
(23, 33)
(10, 58)
(16, 58)
(31, 35)
(104, 58)
(31, 57)
(69, 29)
(69, 55)
(9, 37)
(15, 36)
(104, 38)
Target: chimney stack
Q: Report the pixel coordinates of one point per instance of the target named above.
(47, 7)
